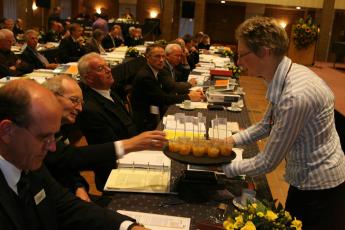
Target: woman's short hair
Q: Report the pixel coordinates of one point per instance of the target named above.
(258, 32)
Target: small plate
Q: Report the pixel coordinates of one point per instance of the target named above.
(204, 160)
(232, 109)
(237, 202)
(186, 108)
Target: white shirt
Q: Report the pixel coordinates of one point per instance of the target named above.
(11, 174)
(302, 107)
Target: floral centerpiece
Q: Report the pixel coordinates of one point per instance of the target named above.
(259, 216)
(304, 33)
(236, 71)
(132, 52)
(161, 42)
(227, 52)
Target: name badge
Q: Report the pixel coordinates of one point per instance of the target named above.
(41, 195)
(154, 109)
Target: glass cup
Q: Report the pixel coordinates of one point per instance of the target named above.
(185, 145)
(199, 147)
(213, 149)
(225, 148)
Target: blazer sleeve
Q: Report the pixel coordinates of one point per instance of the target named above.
(82, 158)
(169, 85)
(73, 213)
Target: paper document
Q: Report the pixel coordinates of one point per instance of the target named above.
(159, 222)
(144, 180)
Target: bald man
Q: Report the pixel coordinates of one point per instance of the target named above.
(30, 198)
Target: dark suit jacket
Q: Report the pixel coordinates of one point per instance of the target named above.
(30, 57)
(107, 42)
(182, 73)
(103, 120)
(67, 161)
(58, 210)
(8, 59)
(169, 83)
(147, 92)
(91, 46)
(52, 36)
(70, 51)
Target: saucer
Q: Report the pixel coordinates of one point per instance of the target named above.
(186, 108)
(234, 109)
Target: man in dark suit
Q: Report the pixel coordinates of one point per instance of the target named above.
(67, 161)
(113, 39)
(149, 101)
(53, 34)
(10, 64)
(72, 47)
(29, 197)
(31, 56)
(94, 44)
(168, 75)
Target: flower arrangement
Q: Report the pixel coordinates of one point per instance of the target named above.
(258, 216)
(227, 52)
(161, 42)
(236, 71)
(304, 33)
(132, 52)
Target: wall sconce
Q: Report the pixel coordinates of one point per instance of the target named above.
(283, 24)
(34, 6)
(153, 14)
(98, 10)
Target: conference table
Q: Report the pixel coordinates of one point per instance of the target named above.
(209, 210)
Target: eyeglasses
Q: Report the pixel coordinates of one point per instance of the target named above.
(244, 54)
(75, 100)
(46, 140)
(103, 68)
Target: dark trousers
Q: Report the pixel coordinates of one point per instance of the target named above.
(318, 209)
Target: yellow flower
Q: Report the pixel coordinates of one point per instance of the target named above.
(260, 214)
(249, 226)
(271, 216)
(239, 221)
(287, 215)
(297, 224)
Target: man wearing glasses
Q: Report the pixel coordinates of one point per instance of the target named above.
(299, 124)
(67, 161)
(29, 197)
(104, 117)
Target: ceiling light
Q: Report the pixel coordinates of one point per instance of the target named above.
(223, 2)
(298, 7)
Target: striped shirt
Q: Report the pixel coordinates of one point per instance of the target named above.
(300, 124)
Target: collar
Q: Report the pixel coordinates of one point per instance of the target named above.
(11, 173)
(105, 93)
(155, 72)
(276, 86)
(169, 65)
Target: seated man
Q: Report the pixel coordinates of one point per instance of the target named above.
(31, 56)
(67, 161)
(113, 39)
(193, 53)
(53, 34)
(94, 44)
(173, 55)
(30, 197)
(104, 117)
(149, 101)
(72, 47)
(10, 64)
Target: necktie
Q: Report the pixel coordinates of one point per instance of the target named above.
(27, 202)
(42, 58)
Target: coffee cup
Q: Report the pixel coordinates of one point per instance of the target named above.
(247, 195)
(187, 104)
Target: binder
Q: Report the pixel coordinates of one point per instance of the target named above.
(142, 171)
